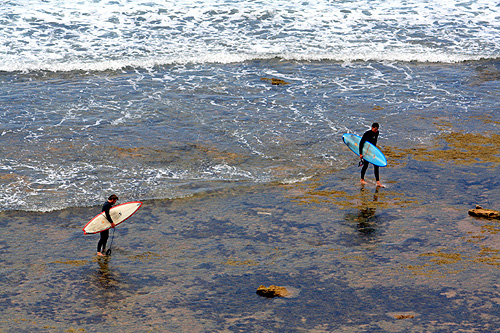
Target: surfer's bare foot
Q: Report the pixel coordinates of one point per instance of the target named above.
(380, 185)
(100, 254)
(363, 182)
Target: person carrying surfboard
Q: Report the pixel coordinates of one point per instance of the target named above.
(370, 136)
(101, 245)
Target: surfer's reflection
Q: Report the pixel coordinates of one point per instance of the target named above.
(365, 219)
(107, 284)
(104, 278)
(367, 212)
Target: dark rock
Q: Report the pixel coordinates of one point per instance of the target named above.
(486, 213)
(276, 82)
(404, 316)
(272, 291)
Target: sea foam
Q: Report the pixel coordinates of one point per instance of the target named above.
(103, 35)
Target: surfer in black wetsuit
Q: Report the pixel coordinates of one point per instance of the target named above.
(101, 246)
(370, 136)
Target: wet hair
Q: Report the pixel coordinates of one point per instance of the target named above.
(375, 125)
(113, 197)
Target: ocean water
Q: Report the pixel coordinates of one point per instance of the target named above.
(160, 100)
(173, 104)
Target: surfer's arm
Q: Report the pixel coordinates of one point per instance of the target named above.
(110, 219)
(366, 137)
(108, 216)
(105, 208)
(361, 145)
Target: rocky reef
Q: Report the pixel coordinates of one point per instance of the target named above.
(483, 212)
(272, 291)
(273, 81)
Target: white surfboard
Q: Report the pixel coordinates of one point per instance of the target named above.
(118, 213)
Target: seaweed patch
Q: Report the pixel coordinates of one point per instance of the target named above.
(461, 149)
(75, 263)
(241, 262)
(314, 195)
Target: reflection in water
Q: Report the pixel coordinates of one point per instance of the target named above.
(366, 219)
(103, 276)
(367, 212)
(105, 285)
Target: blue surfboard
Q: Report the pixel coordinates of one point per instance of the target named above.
(370, 152)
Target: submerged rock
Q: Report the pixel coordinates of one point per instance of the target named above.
(404, 316)
(272, 291)
(482, 212)
(276, 82)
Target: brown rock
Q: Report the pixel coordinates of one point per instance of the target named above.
(275, 82)
(272, 291)
(404, 316)
(486, 213)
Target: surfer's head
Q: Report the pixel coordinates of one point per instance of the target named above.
(113, 197)
(375, 125)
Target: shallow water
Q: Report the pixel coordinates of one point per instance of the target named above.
(352, 257)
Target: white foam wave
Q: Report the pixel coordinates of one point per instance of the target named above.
(102, 35)
(347, 56)
(28, 185)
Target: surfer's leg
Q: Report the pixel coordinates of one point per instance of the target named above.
(376, 172)
(377, 176)
(363, 171)
(101, 246)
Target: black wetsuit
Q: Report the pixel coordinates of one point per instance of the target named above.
(101, 245)
(371, 137)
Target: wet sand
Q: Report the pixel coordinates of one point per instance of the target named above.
(406, 258)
